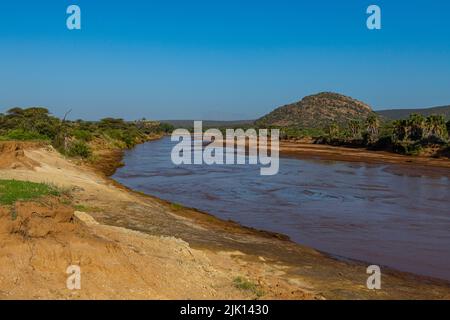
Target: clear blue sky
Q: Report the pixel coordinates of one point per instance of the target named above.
(218, 59)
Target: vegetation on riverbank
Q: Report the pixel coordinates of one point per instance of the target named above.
(334, 119)
(76, 138)
(415, 135)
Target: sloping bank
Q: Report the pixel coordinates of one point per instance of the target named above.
(131, 245)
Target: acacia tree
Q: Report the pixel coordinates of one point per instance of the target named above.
(35, 120)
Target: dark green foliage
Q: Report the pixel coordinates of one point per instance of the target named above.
(418, 128)
(410, 136)
(333, 131)
(20, 134)
(83, 135)
(411, 149)
(372, 125)
(167, 127)
(79, 149)
(29, 124)
(112, 123)
(72, 137)
(406, 136)
(354, 128)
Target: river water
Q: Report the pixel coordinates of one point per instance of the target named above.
(369, 212)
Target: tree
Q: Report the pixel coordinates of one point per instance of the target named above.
(400, 131)
(333, 130)
(372, 128)
(417, 126)
(354, 127)
(15, 111)
(436, 127)
(35, 112)
(112, 123)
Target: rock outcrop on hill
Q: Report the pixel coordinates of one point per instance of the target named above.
(317, 111)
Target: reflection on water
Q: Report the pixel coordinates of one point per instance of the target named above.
(366, 212)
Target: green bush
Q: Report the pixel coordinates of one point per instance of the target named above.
(166, 127)
(38, 124)
(83, 135)
(129, 137)
(407, 148)
(20, 134)
(246, 285)
(79, 149)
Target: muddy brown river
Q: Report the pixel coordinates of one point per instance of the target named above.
(375, 213)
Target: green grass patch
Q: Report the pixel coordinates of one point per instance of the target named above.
(14, 190)
(246, 285)
(84, 208)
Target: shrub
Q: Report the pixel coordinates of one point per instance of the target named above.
(83, 135)
(411, 149)
(20, 134)
(166, 127)
(79, 149)
(246, 285)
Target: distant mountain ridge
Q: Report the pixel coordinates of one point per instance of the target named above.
(209, 123)
(317, 111)
(396, 114)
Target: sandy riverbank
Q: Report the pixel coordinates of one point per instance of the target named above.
(306, 149)
(131, 245)
(405, 163)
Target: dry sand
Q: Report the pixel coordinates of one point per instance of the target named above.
(326, 152)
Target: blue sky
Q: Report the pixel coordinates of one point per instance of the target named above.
(217, 59)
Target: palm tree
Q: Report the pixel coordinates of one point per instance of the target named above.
(354, 126)
(372, 128)
(400, 130)
(333, 130)
(436, 127)
(417, 126)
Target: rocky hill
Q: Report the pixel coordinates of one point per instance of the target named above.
(317, 111)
